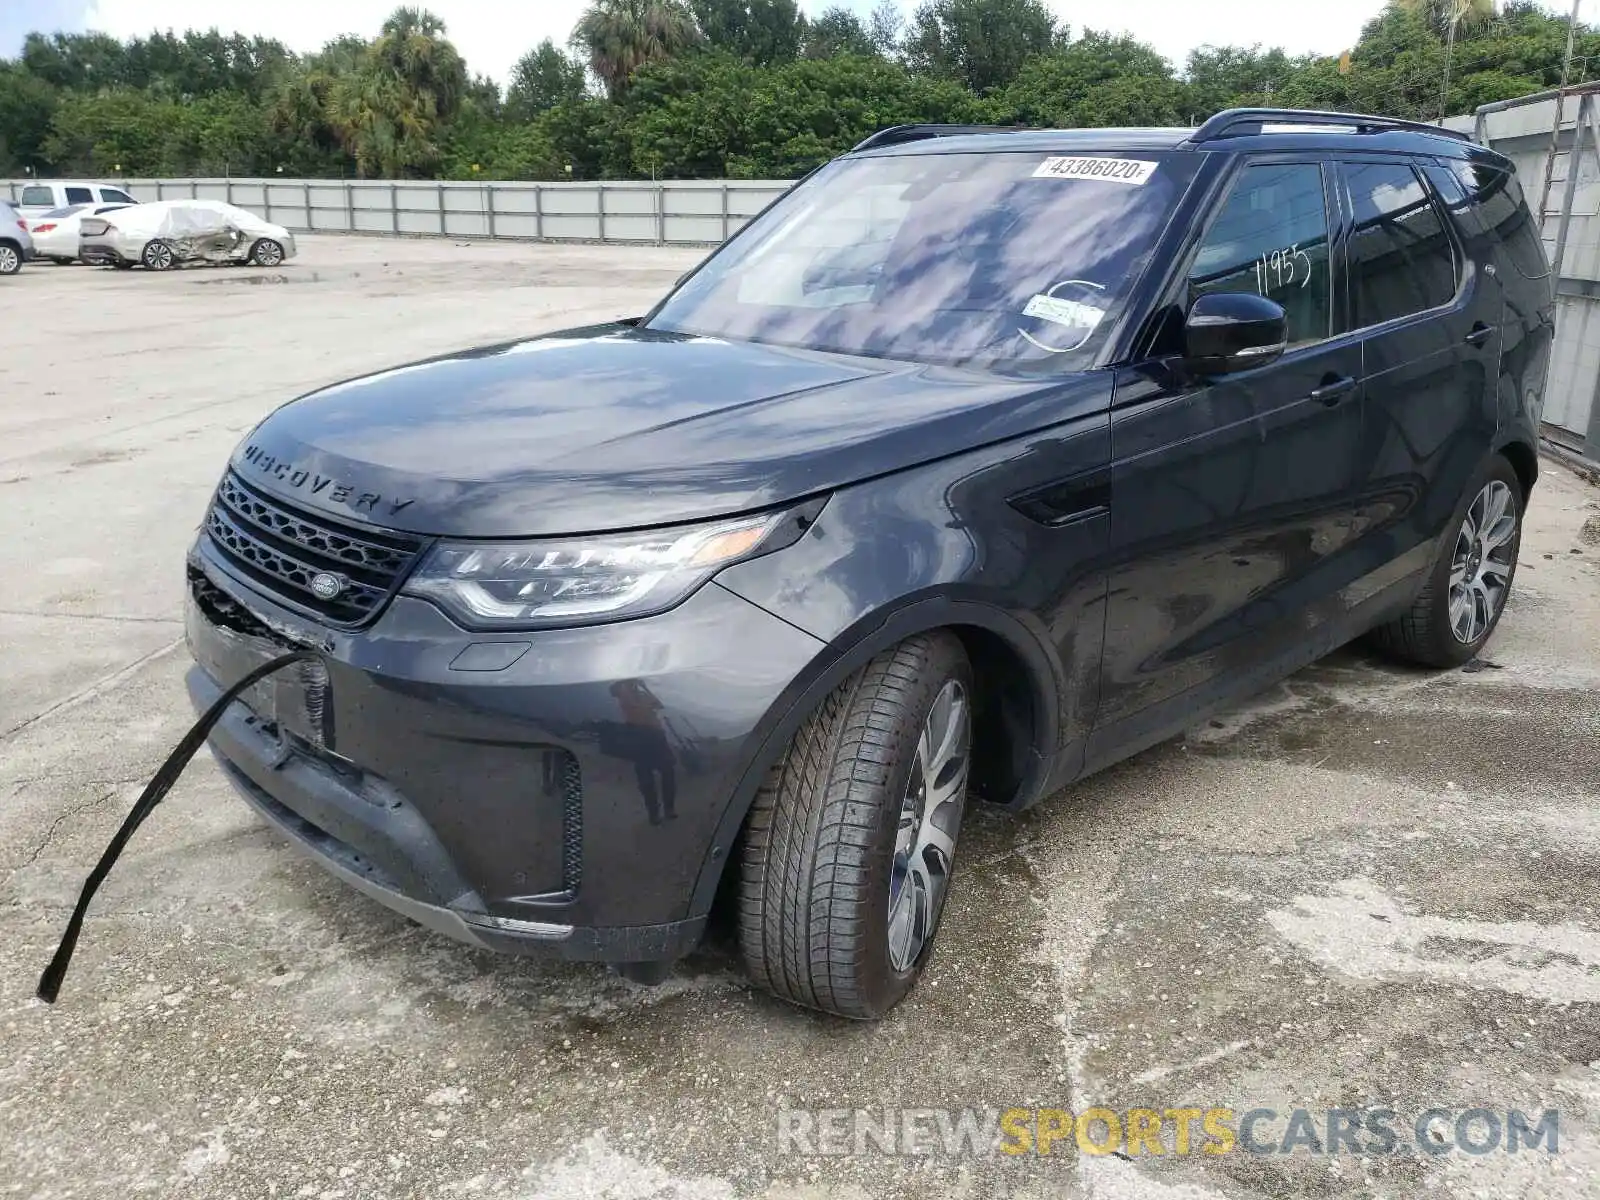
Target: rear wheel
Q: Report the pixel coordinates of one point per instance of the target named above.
(847, 854)
(158, 256)
(1466, 592)
(10, 259)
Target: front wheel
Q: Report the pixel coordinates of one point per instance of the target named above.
(1466, 592)
(848, 850)
(158, 256)
(266, 253)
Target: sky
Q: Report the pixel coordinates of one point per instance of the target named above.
(493, 34)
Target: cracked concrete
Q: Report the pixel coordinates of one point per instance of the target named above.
(1369, 886)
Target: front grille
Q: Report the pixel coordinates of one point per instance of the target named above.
(283, 549)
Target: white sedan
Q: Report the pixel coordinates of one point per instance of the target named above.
(55, 234)
(170, 233)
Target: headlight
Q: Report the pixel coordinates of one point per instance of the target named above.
(576, 581)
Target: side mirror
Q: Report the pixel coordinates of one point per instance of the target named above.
(1233, 331)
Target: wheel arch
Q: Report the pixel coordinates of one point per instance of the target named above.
(1016, 710)
(1524, 460)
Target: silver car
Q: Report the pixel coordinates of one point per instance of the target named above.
(16, 243)
(169, 233)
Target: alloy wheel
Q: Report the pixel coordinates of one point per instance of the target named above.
(1480, 569)
(10, 261)
(930, 815)
(268, 253)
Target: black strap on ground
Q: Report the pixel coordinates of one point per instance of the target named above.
(160, 784)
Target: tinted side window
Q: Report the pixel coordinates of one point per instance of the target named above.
(116, 196)
(1402, 260)
(79, 196)
(1504, 212)
(1271, 237)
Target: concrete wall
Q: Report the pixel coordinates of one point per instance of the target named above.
(679, 212)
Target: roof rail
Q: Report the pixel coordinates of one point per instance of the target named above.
(896, 134)
(1241, 122)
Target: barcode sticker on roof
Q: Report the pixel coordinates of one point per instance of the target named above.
(1132, 171)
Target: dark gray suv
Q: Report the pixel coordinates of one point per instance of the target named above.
(981, 460)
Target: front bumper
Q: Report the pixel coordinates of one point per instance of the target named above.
(557, 792)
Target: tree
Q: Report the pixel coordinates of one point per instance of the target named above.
(980, 43)
(620, 36)
(393, 108)
(75, 61)
(837, 31)
(1099, 79)
(1440, 14)
(1222, 76)
(412, 50)
(763, 32)
(886, 27)
(27, 106)
(543, 78)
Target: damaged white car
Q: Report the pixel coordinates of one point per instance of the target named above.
(169, 233)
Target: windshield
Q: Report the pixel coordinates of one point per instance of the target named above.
(67, 211)
(1002, 260)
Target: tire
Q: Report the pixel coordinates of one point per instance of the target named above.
(1437, 633)
(266, 253)
(10, 258)
(158, 256)
(833, 835)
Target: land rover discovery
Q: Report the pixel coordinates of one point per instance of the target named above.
(979, 461)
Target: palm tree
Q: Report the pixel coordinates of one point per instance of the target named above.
(413, 48)
(1452, 16)
(403, 89)
(621, 36)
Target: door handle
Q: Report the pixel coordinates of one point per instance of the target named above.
(1334, 389)
(1480, 334)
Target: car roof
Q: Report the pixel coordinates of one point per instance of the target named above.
(1231, 131)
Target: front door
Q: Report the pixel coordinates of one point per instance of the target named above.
(1233, 499)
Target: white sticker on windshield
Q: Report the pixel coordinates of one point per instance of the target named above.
(1132, 171)
(1072, 313)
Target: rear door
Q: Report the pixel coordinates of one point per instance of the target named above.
(1429, 320)
(1232, 499)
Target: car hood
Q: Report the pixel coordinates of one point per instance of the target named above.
(616, 427)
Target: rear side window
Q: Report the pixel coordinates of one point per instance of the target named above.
(1498, 197)
(79, 196)
(37, 195)
(1271, 237)
(116, 196)
(1402, 259)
